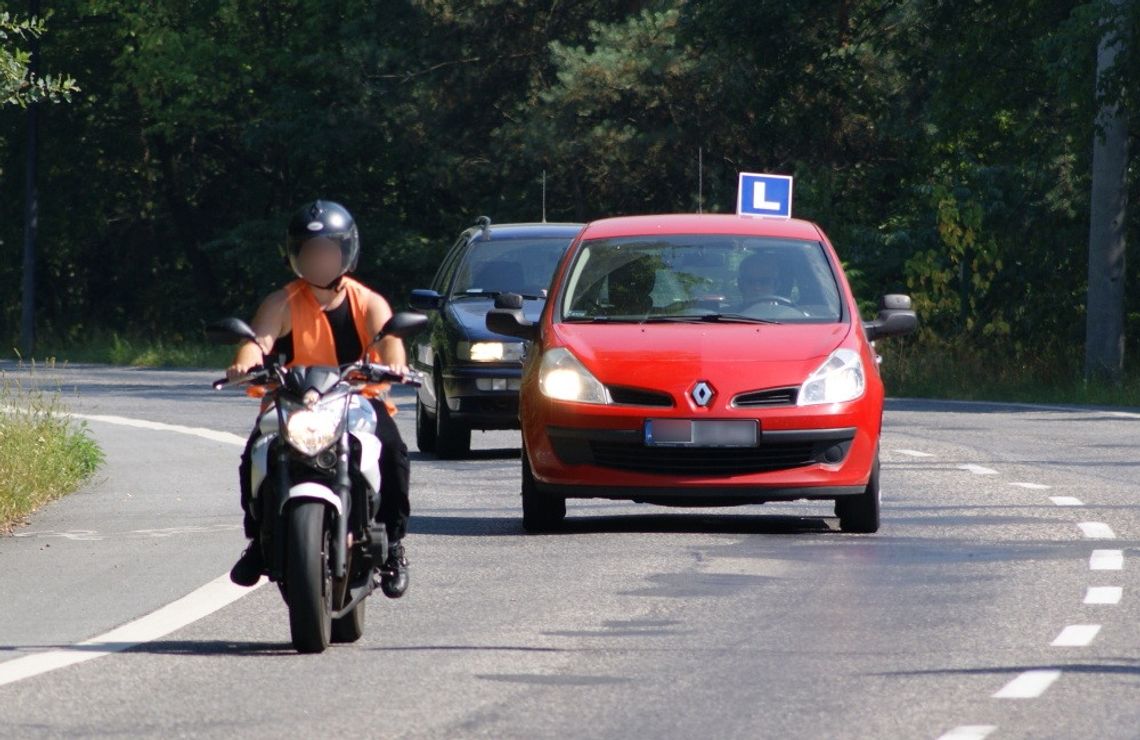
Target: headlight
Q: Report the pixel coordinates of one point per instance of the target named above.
(490, 351)
(838, 379)
(564, 378)
(312, 429)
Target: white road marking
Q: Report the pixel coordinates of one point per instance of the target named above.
(1104, 595)
(157, 426)
(914, 453)
(1106, 560)
(86, 535)
(190, 608)
(1076, 635)
(1031, 486)
(978, 469)
(1097, 531)
(1028, 685)
(1066, 501)
(969, 732)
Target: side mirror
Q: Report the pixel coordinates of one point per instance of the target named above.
(425, 300)
(509, 300)
(229, 331)
(895, 318)
(512, 323)
(403, 324)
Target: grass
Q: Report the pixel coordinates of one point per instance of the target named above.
(43, 454)
(112, 348)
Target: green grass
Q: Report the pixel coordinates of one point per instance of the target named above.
(43, 453)
(113, 348)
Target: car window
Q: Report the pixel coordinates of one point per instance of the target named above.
(679, 277)
(447, 269)
(509, 265)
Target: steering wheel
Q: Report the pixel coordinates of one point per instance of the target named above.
(772, 300)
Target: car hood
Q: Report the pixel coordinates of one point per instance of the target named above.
(742, 355)
(470, 315)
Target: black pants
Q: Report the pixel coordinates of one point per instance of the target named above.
(395, 478)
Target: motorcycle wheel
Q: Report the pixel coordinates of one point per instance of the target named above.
(309, 578)
(350, 627)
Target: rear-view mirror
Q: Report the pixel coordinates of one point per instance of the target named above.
(229, 331)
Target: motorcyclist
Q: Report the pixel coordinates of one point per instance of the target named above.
(325, 317)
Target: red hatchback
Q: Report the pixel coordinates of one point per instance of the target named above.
(699, 360)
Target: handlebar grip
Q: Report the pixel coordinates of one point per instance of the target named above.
(220, 383)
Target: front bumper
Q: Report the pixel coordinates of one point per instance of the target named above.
(483, 397)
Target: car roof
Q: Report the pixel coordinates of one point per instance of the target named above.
(694, 223)
(524, 231)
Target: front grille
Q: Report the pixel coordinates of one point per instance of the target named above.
(704, 460)
(639, 397)
(769, 397)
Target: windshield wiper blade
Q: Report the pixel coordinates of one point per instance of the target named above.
(735, 318)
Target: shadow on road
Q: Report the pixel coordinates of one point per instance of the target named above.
(497, 453)
(498, 526)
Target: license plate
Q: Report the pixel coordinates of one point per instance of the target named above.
(701, 432)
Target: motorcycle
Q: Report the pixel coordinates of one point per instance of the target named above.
(315, 483)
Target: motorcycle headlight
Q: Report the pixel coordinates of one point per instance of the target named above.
(838, 379)
(564, 378)
(311, 429)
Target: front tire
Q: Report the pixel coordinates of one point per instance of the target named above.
(860, 513)
(452, 438)
(350, 627)
(309, 578)
(425, 428)
(542, 512)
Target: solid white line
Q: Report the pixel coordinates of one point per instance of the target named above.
(1031, 486)
(1104, 595)
(158, 426)
(914, 453)
(1076, 635)
(1028, 685)
(969, 732)
(978, 469)
(1106, 560)
(1066, 501)
(1097, 531)
(190, 608)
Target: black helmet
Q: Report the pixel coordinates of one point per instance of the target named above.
(328, 220)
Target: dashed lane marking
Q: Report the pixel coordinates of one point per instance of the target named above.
(1031, 486)
(1106, 560)
(1028, 685)
(1066, 501)
(914, 453)
(1104, 595)
(1076, 635)
(978, 469)
(1097, 531)
(969, 732)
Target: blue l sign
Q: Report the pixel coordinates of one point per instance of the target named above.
(764, 195)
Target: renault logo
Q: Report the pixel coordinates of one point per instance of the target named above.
(702, 393)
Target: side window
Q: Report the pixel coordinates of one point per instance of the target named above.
(447, 269)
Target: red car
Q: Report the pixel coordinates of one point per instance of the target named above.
(699, 360)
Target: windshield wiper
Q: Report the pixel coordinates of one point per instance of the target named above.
(727, 318)
(479, 293)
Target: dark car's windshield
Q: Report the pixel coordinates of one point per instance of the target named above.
(509, 266)
(719, 277)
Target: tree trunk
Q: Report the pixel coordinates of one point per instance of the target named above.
(1104, 330)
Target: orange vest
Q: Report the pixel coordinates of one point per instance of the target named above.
(313, 342)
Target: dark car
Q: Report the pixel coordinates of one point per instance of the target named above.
(474, 374)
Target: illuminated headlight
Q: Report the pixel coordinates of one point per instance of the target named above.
(313, 429)
(838, 379)
(490, 351)
(564, 378)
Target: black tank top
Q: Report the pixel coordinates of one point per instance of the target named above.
(345, 337)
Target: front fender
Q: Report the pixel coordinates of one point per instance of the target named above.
(310, 491)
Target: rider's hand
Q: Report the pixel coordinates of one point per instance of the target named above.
(248, 357)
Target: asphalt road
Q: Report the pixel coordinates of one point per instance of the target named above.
(966, 613)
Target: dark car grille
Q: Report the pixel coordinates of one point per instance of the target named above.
(703, 460)
(769, 397)
(639, 397)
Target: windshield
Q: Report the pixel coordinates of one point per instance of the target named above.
(702, 278)
(509, 266)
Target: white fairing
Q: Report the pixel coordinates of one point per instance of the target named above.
(361, 424)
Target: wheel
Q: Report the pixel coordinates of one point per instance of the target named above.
(542, 512)
(350, 627)
(861, 513)
(309, 578)
(452, 438)
(425, 428)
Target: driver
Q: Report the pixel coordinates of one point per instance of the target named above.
(324, 317)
